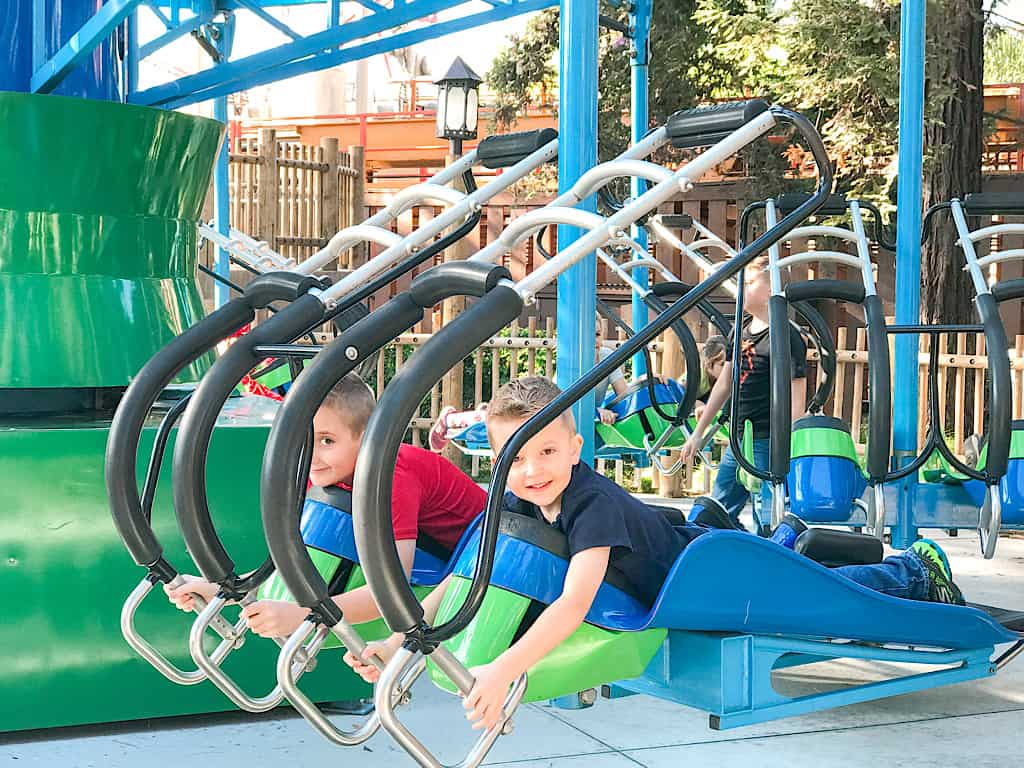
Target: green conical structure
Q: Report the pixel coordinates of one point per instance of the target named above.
(98, 210)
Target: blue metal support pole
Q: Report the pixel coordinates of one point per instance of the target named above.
(221, 190)
(577, 152)
(132, 59)
(97, 29)
(40, 19)
(639, 60)
(908, 257)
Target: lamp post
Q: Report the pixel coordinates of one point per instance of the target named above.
(457, 111)
(457, 105)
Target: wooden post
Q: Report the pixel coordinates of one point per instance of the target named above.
(671, 367)
(266, 229)
(451, 384)
(330, 200)
(357, 203)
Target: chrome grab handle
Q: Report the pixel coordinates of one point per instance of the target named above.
(990, 519)
(287, 679)
(230, 637)
(778, 504)
(398, 669)
(211, 663)
(874, 512)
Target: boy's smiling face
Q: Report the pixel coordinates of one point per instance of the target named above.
(334, 449)
(543, 468)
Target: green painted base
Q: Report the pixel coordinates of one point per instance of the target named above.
(589, 657)
(64, 575)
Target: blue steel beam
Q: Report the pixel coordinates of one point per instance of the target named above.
(577, 153)
(908, 257)
(155, 10)
(269, 19)
(221, 182)
(640, 19)
(289, 52)
(325, 59)
(184, 28)
(93, 32)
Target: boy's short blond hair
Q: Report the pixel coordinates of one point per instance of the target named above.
(521, 398)
(353, 401)
(758, 266)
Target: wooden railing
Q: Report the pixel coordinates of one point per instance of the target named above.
(530, 350)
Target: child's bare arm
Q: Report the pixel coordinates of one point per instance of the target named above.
(182, 595)
(558, 621)
(719, 394)
(385, 649)
(799, 395)
(278, 618)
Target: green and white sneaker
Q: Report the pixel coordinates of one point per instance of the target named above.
(941, 588)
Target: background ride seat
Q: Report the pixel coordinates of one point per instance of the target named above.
(825, 478)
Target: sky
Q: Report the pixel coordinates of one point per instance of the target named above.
(477, 47)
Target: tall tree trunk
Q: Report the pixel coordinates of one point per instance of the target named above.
(953, 145)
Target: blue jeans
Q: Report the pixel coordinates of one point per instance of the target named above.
(901, 575)
(728, 490)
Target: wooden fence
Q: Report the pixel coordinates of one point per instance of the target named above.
(530, 350)
(294, 196)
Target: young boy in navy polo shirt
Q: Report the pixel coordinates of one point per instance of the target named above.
(431, 496)
(605, 526)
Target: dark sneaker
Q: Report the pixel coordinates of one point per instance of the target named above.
(941, 588)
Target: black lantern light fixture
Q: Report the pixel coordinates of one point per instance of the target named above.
(458, 104)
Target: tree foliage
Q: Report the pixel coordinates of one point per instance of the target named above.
(1004, 56)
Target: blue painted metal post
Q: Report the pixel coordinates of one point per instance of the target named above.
(221, 191)
(639, 59)
(132, 59)
(908, 257)
(577, 152)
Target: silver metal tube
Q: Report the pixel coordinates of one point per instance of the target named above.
(999, 256)
(683, 179)
(774, 267)
(437, 225)
(990, 520)
(863, 249)
(600, 175)
(977, 276)
(839, 233)
(131, 635)
(1010, 654)
(996, 229)
(387, 690)
(838, 256)
(288, 666)
(706, 265)
(255, 253)
(211, 666)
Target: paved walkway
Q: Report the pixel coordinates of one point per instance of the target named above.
(974, 725)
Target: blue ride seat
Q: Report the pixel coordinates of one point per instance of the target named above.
(638, 397)
(709, 589)
(1011, 485)
(825, 478)
(326, 525)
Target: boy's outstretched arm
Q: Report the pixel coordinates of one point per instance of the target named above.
(558, 621)
(719, 394)
(278, 618)
(385, 649)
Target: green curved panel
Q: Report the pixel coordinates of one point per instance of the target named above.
(589, 657)
(97, 237)
(821, 441)
(326, 564)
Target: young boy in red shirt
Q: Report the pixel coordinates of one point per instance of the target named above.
(430, 496)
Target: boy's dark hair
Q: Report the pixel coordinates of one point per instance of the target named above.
(353, 401)
(713, 347)
(522, 398)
